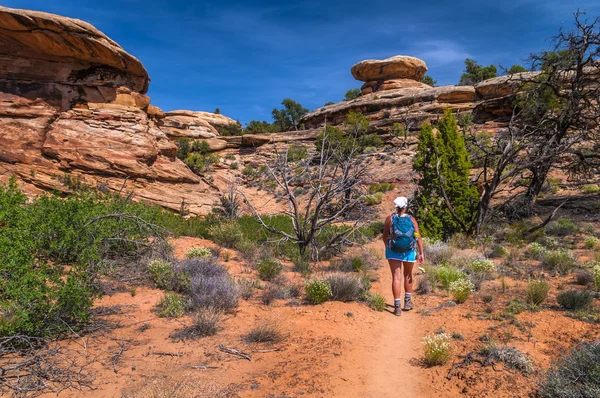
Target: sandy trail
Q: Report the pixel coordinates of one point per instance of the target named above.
(388, 365)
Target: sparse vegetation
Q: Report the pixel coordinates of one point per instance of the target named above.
(562, 227)
(376, 302)
(591, 243)
(162, 273)
(575, 375)
(537, 292)
(537, 251)
(198, 252)
(437, 349)
(344, 286)
(446, 275)
(171, 305)
(265, 332)
(461, 289)
(511, 357)
(318, 291)
(268, 268)
(575, 300)
(561, 261)
(591, 188)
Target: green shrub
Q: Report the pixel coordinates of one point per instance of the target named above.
(591, 188)
(498, 251)
(201, 163)
(376, 302)
(380, 187)
(537, 292)
(296, 153)
(171, 306)
(461, 289)
(344, 286)
(234, 165)
(575, 299)
(575, 375)
(591, 242)
(437, 349)
(446, 275)
(318, 291)
(162, 273)
(537, 251)
(562, 227)
(596, 275)
(482, 266)
(515, 307)
(583, 277)
(268, 268)
(227, 234)
(374, 199)
(561, 261)
(198, 252)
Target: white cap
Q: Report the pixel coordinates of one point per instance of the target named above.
(401, 202)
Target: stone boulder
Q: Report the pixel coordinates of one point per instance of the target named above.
(63, 60)
(216, 120)
(397, 67)
(177, 124)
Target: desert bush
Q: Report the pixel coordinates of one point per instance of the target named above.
(575, 375)
(344, 287)
(248, 249)
(561, 261)
(268, 268)
(591, 188)
(536, 251)
(461, 289)
(373, 199)
(204, 323)
(318, 291)
(478, 265)
(446, 275)
(423, 286)
(198, 252)
(537, 292)
(498, 251)
(356, 262)
(438, 252)
(575, 299)
(171, 306)
(591, 242)
(511, 357)
(583, 277)
(596, 275)
(437, 349)
(515, 307)
(296, 152)
(265, 332)
(162, 273)
(380, 187)
(561, 227)
(245, 288)
(227, 234)
(376, 302)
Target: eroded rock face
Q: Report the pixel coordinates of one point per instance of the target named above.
(177, 124)
(63, 60)
(397, 67)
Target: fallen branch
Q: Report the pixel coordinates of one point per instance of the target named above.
(233, 351)
(165, 354)
(202, 367)
(270, 350)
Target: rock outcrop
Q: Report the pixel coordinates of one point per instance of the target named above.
(73, 103)
(399, 97)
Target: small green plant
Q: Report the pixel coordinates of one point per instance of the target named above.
(446, 275)
(575, 299)
(482, 266)
(437, 349)
(537, 251)
(205, 323)
(515, 307)
(457, 336)
(376, 302)
(561, 261)
(268, 268)
(162, 273)
(374, 199)
(562, 227)
(234, 165)
(498, 251)
(537, 292)
(171, 306)
(575, 375)
(380, 187)
(591, 242)
(596, 276)
(198, 252)
(296, 153)
(461, 290)
(591, 188)
(317, 291)
(227, 234)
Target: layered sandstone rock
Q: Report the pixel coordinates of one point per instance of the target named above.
(177, 124)
(397, 67)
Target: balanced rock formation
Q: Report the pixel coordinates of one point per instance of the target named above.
(73, 106)
(393, 73)
(393, 94)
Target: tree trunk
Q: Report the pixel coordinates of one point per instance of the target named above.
(540, 174)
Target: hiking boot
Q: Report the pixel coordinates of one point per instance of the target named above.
(408, 304)
(397, 310)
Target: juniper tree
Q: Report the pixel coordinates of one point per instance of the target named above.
(446, 199)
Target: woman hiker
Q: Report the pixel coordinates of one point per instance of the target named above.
(401, 236)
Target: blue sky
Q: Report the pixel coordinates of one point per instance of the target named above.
(246, 56)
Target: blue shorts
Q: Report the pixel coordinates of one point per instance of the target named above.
(409, 256)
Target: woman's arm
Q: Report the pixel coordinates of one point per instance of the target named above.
(419, 241)
(386, 230)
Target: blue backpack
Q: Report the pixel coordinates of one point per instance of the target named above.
(402, 234)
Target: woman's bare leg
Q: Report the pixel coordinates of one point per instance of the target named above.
(396, 268)
(408, 278)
